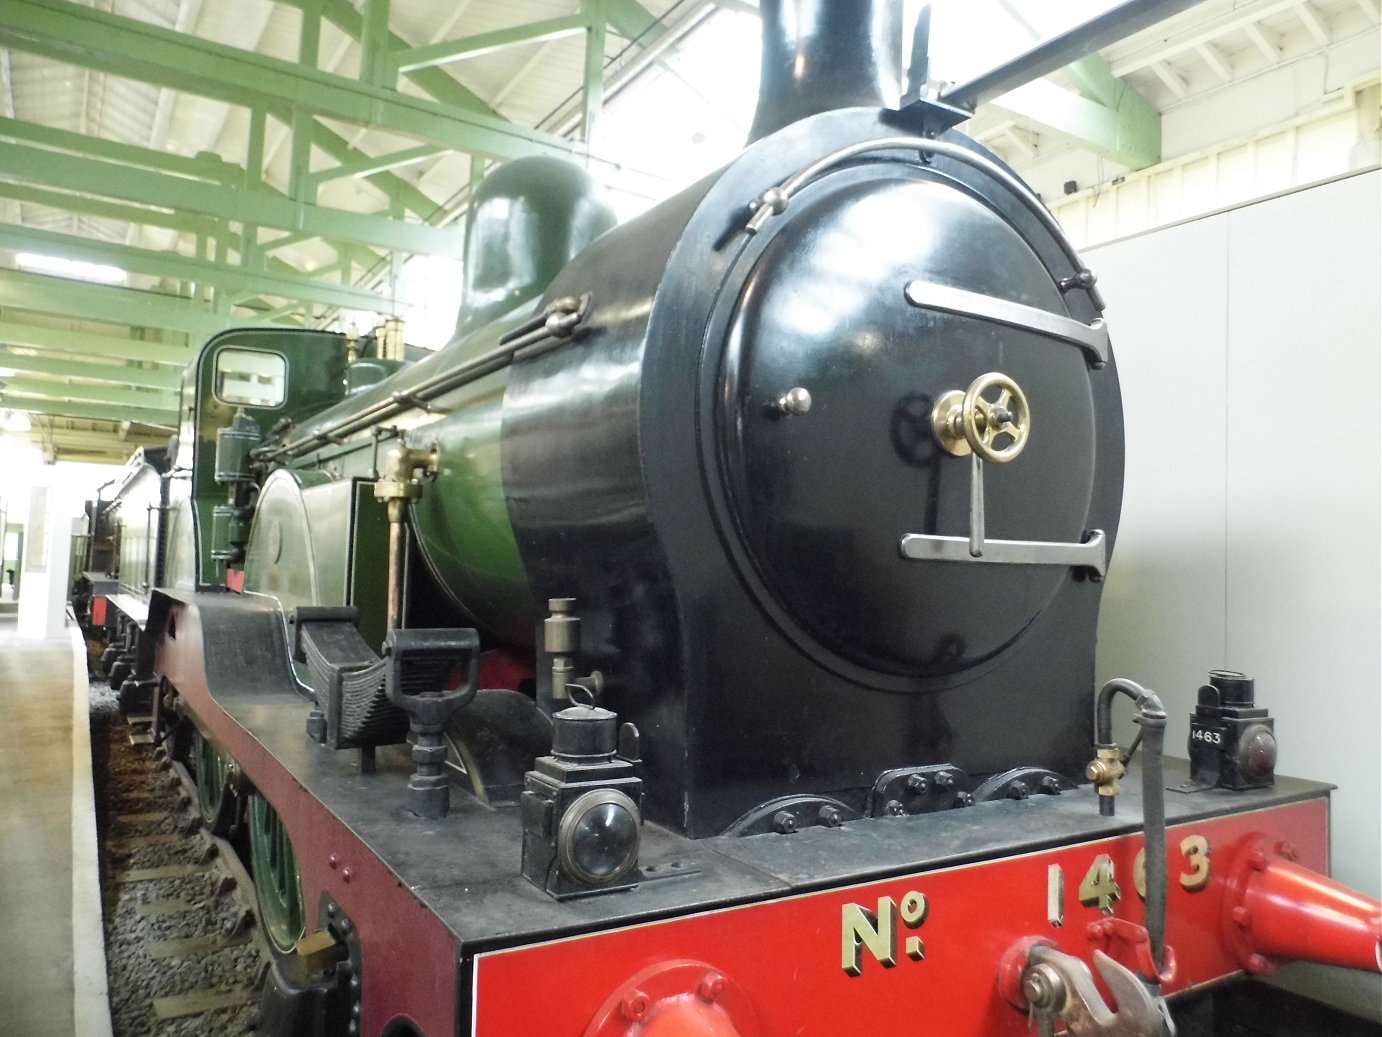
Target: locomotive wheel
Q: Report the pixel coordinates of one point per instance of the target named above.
(276, 880)
(214, 774)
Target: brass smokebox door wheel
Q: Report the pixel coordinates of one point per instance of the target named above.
(966, 421)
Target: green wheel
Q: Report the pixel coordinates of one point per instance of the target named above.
(215, 774)
(276, 880)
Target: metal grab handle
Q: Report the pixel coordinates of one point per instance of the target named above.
(776, 199)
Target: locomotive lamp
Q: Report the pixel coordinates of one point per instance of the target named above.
(581, 813)
(1232, 743)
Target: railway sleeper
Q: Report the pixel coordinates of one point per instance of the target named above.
(149, 800)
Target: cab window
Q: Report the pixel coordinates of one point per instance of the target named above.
(250, 377)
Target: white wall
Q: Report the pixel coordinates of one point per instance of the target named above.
(43, 598)
(1248, 345)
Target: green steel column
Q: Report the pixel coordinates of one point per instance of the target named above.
(593, 90)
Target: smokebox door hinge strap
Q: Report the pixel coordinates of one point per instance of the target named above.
(776, 199)
(1092, 337)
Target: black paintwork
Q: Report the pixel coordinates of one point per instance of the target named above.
(819, 55)
(738, 577)
(465, 867)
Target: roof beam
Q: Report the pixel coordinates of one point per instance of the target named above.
(112, 446)
(206, 166)
(631, 20)
(1129, 132)
(443, 88)
(84, 343)
(340, 150)
(1107, 115)
(593, 82)
(411, 59)
(167, 419)
(1172, 80)
(87, 392)
(1214, 58)
(1175, 43)
(374, 41)
(173, 266)
(80, 203)
(259, 207)
(78, 300)
(1271, 51)
(122, 374)
(372, 165)
(136, 50)
(1049, 55)
(6, 86)
(1311, 20)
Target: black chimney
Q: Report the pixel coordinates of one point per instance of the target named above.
(825, 54)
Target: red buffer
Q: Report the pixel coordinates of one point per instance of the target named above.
(1282, 911)
(676, 999)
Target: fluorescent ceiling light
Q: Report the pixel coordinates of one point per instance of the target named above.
(14, 421)
(70, 268)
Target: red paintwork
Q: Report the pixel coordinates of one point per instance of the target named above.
(235, 580)
(676, 999)
(1119, 938)
(1281, 911)
(409, 956)
(98, 611)
(502, 669)
(1011, 967)
(781, 960)
(786, 953)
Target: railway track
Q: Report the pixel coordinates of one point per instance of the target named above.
(184, 950)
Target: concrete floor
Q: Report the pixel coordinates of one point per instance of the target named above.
(36, 835)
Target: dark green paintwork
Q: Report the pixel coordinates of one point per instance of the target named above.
(213, 777)
(180, 568)
(136, 524)
(528, 219)
(370, 371)
(321, 539)
(461, 521)
(285, 558)
(314, 538)
(277, 883)
(316, 379)
(369, 562)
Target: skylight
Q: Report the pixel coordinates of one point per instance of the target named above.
(73, 268)
(690, 114)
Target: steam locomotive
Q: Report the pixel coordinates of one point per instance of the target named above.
(708, 630)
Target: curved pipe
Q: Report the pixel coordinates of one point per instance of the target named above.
(1151, 716)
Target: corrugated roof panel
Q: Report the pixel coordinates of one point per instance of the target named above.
(239, 23)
